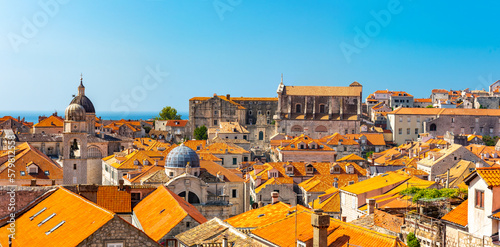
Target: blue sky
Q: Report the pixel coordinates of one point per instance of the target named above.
(238, 47)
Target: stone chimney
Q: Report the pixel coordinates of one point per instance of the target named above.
(320, 223)
(275, 197)
(228, 96)
(121, 184)
(370, 206)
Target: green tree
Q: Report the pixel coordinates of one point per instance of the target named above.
(412, 241)
(368, 154)
(201, 133)
(429, 106)
(168, 113)
(490, 141)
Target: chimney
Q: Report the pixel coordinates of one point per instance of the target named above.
(53, 182)
(320, 223)
(479, 164)
(275, 197)
(224, 242)
(228, 96)
(260, 204)
(370, 206)
(448, 179)
(121, 184)
(33, 182)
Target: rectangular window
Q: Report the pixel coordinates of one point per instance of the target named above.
(477, 120)
(400, 119)
(481, 130)
(234, 193)
(400, 131)
(215, 122)
(452, 120)
(409, 119)
(418, 119)
(491, 130)
(114, 245)
(235, 161)
(408, 131)
(416, 131)
(479, 199)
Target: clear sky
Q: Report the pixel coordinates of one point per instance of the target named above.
(143, 55)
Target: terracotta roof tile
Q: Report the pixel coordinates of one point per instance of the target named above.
(323, 91)
(113, 199)
(491, 175)
(52, 121)
(458, 215)
(162, 210)
(81, 219)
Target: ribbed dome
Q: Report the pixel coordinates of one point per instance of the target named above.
(75, 112)
(180, 156)
(85, 102)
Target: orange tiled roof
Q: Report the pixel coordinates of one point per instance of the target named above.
(330, 202)
(458, 215)
(351, 157)
(375, 139)
(337, 138)
(162, 210)
(262, 216)
(389, 178)
(425, 100)
(113, 199)
(214, 169)
(282, 232)
(254, 98)
(52, 121)
(25, 154)
(323, 91)
(439, 91)
(491, 175)
(176, 123)
(295, 144)
(321, 183)
(81, 219)
(401, 93)
(223, 148)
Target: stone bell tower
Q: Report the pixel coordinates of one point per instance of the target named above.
(75, 133)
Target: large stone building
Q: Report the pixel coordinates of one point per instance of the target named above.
(407, 123)
(318, 111)
(255, 113)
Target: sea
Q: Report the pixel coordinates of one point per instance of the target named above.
(32, 116)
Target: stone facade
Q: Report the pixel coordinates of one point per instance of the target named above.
(318, 111)
(118, 230)
(487, 102)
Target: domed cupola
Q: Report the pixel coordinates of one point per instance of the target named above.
(180, 156)
(83, 100)
(75, 112)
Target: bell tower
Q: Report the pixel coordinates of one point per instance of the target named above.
(75, 133)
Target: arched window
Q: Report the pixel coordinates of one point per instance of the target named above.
(191, 198)
(297, 128)
(432, 127)
(322, 108)
(298, 108)
(94, 152)
(261, 135)
(321, 128)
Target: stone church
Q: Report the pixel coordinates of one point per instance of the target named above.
(318, 111)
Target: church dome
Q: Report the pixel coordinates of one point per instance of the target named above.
(180, 156)
(75, 112)
(85, 102)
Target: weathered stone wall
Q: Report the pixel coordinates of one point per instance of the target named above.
(118, 230)
(23, 196)
(467, 123)
(487, 102)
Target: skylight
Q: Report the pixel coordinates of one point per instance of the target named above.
(47, 219)
(55, 227)
(39, 212)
